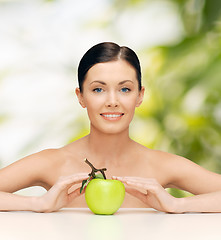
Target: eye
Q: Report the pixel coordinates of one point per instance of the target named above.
(125, 89)
(98, 90)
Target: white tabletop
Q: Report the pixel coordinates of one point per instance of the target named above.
(125, 224)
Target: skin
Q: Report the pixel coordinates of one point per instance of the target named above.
(109, 87)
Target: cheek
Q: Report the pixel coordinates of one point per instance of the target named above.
(93, 104)
(130, 103)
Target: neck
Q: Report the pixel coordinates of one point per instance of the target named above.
(108, 148)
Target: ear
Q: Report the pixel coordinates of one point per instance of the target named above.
(140, 97)
(80, 97)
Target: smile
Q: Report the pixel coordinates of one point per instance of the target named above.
(112, 116)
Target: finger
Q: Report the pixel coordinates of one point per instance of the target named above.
(136, 194)
(150, 187)
(125, 177)
(135, 183)
(67, 181)
(122, 179)
(130, 180)
(78, 176)
(137, 179)
(147, 184)
(75, 193)
(141, 186)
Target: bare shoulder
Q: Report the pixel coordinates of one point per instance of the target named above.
(177, 163)
(28, 171)
(163, 166)
(171, 163)
(157, 156)
(176, 171)
(74, 150)
(42, 168)
(60, 155)
(35, 160)
(42, 159)
(183, 173)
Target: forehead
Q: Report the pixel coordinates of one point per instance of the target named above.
(114, 70)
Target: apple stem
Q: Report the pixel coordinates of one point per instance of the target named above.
(94, 170)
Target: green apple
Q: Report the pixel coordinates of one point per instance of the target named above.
(104, 196)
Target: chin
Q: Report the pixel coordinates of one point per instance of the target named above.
(111, 130)
(114, 131)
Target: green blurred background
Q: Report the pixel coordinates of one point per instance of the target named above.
(181, 112)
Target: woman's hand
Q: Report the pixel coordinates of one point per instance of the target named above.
(59, 196)
(150, 192)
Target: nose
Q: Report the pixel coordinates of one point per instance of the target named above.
(112, 100)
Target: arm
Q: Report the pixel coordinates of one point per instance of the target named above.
(27, 172)
(32, 171)
(150, 192)
(183, 174)
(189, 176)
(57, 197)
(154, 195)
(13, 202)
(208, 202)
(204, 184)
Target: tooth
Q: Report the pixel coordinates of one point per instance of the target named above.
(112, 115)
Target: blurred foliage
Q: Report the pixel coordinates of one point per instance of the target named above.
(185, 90)
(182, 109)
(181, 112)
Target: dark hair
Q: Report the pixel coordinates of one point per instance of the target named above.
(106, 52)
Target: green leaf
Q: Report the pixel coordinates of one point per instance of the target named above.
(84, 183)
(99, 175)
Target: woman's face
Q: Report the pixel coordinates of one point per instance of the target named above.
(110, 94)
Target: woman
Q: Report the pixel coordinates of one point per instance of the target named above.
(110, 89)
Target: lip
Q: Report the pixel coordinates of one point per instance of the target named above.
(112, 116)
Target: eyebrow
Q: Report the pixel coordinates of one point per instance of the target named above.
(103, 83)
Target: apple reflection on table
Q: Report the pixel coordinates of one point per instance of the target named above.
(100, 227)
